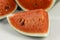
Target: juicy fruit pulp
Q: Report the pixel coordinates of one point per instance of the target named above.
(35, 21)
(35, 4)
(7, 6)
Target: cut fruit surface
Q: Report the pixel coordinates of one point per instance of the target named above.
(35, 4)
(31, 23)
(7, 7)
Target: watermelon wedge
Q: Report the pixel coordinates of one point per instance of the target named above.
(35, 4)
(31, 23)
(7, 7)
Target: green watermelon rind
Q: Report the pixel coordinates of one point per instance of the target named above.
(53, 3)
(28, 34)
(2, 17)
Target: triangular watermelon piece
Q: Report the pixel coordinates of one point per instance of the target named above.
(30, 23)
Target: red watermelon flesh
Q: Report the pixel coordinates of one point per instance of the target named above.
(35, 4)
(34, 21)
(7, 6)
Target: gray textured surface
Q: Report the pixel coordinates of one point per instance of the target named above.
(7, 33)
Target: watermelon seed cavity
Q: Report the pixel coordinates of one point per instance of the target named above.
(7, 7)
(22, 22)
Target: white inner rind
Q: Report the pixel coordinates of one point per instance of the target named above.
(2, 17)
(28, 34)
(53, 2)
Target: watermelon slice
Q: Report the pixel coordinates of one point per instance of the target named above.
(35, 4)
(31, 23)
(7, 7)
